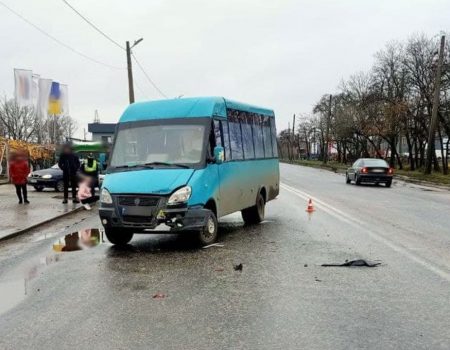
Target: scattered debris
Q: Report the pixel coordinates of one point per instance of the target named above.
(238, 267)
(214, 245)
(219, 269)
(159, 296)
(317, 280)
(354, 263)
(306, 265)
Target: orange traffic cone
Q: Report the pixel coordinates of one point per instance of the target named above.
(310, 207)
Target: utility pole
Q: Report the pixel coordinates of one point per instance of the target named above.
(434, 112)
(130, 73)
(293, 136)
(130, 68)
(327, 133)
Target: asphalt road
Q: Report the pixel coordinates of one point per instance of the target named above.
(103, 297)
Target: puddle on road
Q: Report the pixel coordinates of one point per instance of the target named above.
(16, 285)
(14, 290)
(83, 239)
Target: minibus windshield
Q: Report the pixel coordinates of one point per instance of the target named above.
(159, 145)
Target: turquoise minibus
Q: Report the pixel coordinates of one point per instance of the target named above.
(180, 164)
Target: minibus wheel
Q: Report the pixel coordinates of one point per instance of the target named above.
(255, 214)
(208, 234)
(118, 236)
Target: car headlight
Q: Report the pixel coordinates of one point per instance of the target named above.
(47, 176)
(180, 196)
(30, 174)
(105, 196)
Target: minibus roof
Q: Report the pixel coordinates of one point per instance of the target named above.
(194, 107)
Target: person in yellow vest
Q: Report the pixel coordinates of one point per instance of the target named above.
(90, 168)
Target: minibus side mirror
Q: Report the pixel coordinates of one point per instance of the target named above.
(218, 154)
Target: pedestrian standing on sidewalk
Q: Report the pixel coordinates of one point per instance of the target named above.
(85, 193)
(19, 168)
(90, 168)
(69, 163)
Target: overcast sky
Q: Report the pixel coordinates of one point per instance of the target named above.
(282, 54)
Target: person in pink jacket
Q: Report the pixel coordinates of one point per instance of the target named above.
(85, 193)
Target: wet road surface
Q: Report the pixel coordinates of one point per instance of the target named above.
(162, 292)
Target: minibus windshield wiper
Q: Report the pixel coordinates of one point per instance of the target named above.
(125, 166)
(168, 164)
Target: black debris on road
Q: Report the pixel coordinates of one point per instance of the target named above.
(354, 263)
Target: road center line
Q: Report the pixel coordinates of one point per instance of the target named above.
(339, 214)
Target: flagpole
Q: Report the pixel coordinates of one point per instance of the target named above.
(54, 129)
(54, 137)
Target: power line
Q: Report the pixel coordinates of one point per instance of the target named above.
(57, 40)
(141, 90)
(118, 45)
(93, 25)
(148, 77)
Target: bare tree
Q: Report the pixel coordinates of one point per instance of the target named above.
(17, 123)
(375, 113)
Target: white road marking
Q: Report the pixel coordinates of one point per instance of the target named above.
(347, 218)
(213, 245)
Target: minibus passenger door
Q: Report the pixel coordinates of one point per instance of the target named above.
(227, 186)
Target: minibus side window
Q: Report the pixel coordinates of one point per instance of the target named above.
(247, 135)
(274, 137)
(218, 133)
(222, 137)
(258, 136)
(226, 139)
(212, 142)
(235, 136)
(267, 138)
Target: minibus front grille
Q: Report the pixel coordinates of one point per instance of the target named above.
(137, 219)
(132, 201)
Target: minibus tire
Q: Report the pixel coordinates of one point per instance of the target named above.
(118, 236)
(208, 234)
(254, 215)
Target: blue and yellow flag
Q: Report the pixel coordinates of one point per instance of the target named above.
(54, 102)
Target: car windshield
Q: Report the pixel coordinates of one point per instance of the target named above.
(158, 145)
(375, 162)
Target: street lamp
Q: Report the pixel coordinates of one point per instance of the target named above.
(129, 68)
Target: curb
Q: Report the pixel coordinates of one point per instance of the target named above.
(422, 183)
(29, 228)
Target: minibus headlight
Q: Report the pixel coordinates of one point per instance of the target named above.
(105, 197)
(180, 196)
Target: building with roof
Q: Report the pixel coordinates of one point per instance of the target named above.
(103, 132)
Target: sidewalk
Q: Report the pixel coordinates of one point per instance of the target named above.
(16, 218)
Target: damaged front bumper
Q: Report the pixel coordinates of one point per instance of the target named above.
(157, 218)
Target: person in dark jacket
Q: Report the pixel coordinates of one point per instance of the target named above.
(69, 163)
(19, 169)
